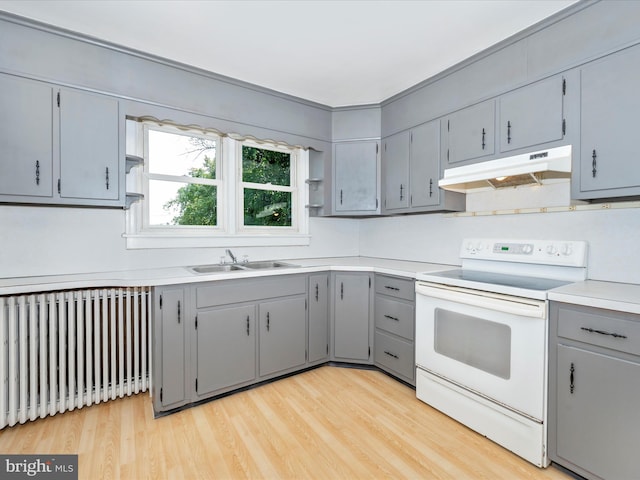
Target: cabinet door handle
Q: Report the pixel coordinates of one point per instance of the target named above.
(483, 135)
(401, 192)
(431, 187)
(268, 322)
(37, 172)
(341, 290)
(393, 355)
(602, 332)
(571, 378)
(317, 292)
(340, 197)
(509, 132)
(248, 325)
(107, 177)
(391, 318)
(392, 288)
(179, 313)
(594, 157)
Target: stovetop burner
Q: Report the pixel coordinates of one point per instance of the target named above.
(490, 278)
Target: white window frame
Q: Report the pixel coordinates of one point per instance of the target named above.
(230, 231)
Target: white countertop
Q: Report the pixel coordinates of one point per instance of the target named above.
(176, 275)
(624, 297)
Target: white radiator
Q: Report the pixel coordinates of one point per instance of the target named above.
(63, 350)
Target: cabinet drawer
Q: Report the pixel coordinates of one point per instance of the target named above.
(248, 290)
(394, 317)
(614, 330)
(394, 354)
(395, 287)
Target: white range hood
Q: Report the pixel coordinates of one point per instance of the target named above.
(525, 169)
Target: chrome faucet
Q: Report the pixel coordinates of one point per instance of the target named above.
(232, 256)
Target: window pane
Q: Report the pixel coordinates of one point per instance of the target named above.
(174, 203)
(266, 166)
(173, 154)
(267, 208)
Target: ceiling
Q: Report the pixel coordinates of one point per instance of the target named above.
(347, 52)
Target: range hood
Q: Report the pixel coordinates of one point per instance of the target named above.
(525, 169)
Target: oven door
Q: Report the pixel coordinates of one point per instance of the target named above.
(491, 344)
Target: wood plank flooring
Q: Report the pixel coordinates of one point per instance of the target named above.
(327, 423)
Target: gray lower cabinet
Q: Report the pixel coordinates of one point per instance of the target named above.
(225, 348)
(609, 163)
(283, 332)
(59, 145)
(171, 350)
(352, 333)
(394, 349)
(318, 338)
(356, 178)
(594, 426)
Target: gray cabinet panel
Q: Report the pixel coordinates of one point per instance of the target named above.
(598, 426)
(394, 317)
(351, 317)
(470, 133)
(283, 335)
(173, 358)
(532, 115)
(318, 317)
(425, 165)
(89, 159)
(226, 348)
(356, 177)
(395, 287)
(26, 138)
(395, 161)
(248, 289)
(395, 354)
(609, 155)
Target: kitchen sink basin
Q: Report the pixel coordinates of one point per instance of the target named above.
(216, 268)
(268, 264)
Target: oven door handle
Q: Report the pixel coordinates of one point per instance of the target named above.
(491, 301)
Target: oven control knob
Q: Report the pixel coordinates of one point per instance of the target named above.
(567, 249)
(552, 250)
(527, 248)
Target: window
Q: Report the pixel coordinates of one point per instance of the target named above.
(202, 188)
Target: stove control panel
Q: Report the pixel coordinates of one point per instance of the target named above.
(571, 253)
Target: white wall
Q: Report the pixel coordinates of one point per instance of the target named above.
(612, 235)
(51, 240)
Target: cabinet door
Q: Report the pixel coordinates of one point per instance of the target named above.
(425, 165)
(172, 313)
(89, 127)
(395, 158)
(318, 317)
(356, 177)
(471, 133)
(610, 102)
(532, 115)
(26, 134)
(283, 335)
(598, 426)
(226, 344)
(351, 318)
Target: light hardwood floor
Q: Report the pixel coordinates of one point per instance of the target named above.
(327, 423)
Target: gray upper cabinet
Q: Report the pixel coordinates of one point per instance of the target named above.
(226, 348)
(283, 335)
(89, 152)
(469, 134)
(609, 163)
(356, 178)
(395, 172)
(59, 146)
(352, 317)
(425, 166)
(26, 136)
(318, 317)
(532, 115)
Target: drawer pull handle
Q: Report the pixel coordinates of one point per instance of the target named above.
(602, 332)
(392, 288)
(392, 318)
(571, 372)
(391, 354)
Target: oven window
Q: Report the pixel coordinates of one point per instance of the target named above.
(474, 341)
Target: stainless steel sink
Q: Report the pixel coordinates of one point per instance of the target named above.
(216, 268)
(268, 264)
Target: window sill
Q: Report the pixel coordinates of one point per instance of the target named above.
(156, 240)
